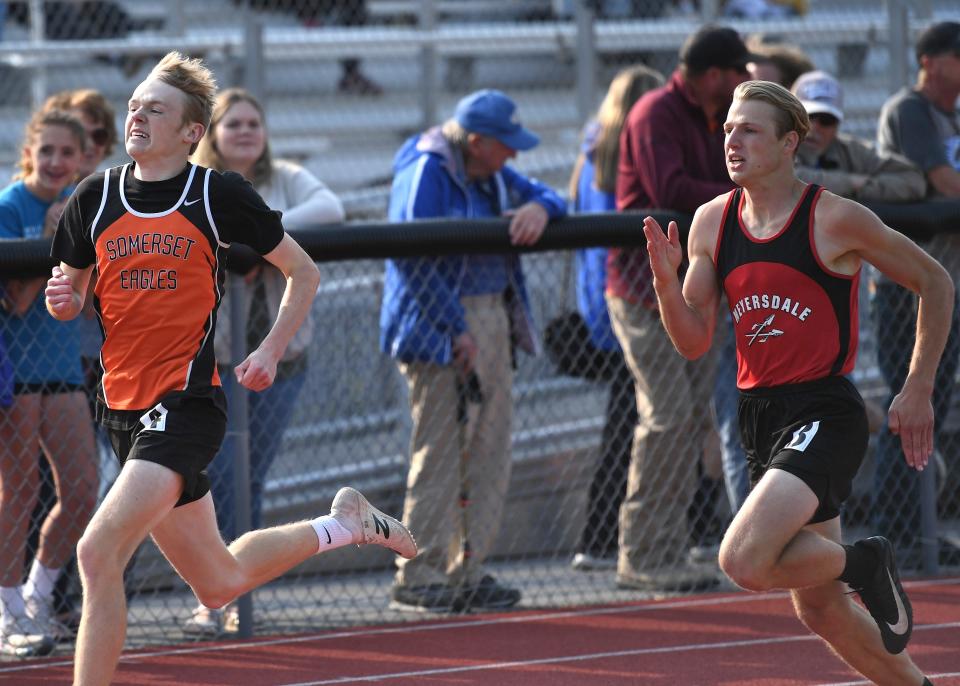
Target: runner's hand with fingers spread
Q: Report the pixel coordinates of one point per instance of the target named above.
(664, 250)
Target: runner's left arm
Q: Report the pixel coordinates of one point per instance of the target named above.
(259, 369)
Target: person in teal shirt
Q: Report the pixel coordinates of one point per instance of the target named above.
(49, 410)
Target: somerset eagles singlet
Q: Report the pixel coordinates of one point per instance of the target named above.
(158, 249)
(794, 320)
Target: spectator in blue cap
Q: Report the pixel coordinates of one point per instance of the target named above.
(453, 324)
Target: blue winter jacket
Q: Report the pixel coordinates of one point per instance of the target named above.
(420, 313)
(592, 262)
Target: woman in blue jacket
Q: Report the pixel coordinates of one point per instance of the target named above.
(592, 189)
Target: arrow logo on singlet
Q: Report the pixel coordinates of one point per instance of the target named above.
(761, 333)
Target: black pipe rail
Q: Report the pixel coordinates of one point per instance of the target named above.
(338, 242)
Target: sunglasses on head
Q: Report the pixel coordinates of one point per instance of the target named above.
(99, 136)
(824, 119)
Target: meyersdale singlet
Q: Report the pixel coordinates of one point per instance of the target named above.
(794, 320)
(158, 248)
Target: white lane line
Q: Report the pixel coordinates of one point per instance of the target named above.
(582, 658)
(467, 623)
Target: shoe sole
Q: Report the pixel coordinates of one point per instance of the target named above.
(422, 609)
(594, 566)
(45, 647)
(204, 633)
(492, 606)
(668, 588)
(403, 545)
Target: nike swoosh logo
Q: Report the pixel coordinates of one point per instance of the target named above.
(903, 623)
(190, 202)
(329, 540)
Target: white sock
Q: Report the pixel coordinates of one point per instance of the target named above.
(11, 602)
(40, 581)
(331, 534)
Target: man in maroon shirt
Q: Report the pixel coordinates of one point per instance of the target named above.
(671, 157)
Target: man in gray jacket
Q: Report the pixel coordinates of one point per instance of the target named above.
(842, 163)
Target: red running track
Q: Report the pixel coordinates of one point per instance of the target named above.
(731, 639)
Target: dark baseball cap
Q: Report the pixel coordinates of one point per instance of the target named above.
(938, 39)
(715, 46)
(491, 113)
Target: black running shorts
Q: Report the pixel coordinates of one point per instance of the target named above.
(816, 430)
(181, 432)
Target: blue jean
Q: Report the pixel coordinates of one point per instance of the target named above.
(725, 395)
(268, 412)
(896, 496)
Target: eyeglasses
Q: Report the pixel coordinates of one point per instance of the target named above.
(824, 119)
(99, 136)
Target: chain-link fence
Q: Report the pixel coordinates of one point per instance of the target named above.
(343, 83)
(543, 445)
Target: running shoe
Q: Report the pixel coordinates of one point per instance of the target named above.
(679, 578)
(45, 619)
(489, 594)
(884, 597)
(205, 622)
(370, 525)
(587, 562)
(22, 637)
(426, 598)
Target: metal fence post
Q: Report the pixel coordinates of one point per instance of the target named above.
(176, 18)
(898, 17)
(428, 64)
(897, 44)
(709, 10)
(38, 30)
(586, 60)
(237, 440)
(253, 59)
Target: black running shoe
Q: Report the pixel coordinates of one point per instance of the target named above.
(427, 598)
(488, 594)
(884, 597)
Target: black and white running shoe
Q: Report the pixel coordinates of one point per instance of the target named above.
(884, 597)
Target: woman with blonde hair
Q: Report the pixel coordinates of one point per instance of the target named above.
(236, 141)
(49, 410)
(592, 188)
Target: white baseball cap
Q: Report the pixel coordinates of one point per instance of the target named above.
(819, 93)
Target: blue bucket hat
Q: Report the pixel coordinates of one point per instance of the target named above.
(491, 113)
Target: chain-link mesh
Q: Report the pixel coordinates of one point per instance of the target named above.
(558, 471)
(343, 82)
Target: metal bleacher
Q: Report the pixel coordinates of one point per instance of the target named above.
(348, 140)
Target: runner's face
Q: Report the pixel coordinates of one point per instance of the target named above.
(750, 143)
(155, 129)
(240, 136)
(56, 157)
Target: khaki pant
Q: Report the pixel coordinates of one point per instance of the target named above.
(431, 508)
(674, 419)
